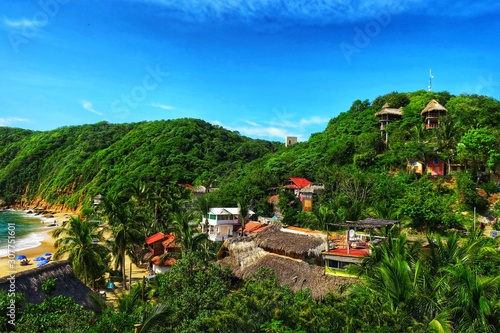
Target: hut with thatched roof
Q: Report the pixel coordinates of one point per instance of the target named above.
(387, 115)
(29, 283)
(284, 252)
(432, 112)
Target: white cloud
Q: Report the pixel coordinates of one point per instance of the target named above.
(252, 123)
(312, 11)
(11, 120)
(315, 12)
(23, 23)
(314, 121)
(163, 106)
(88, 106)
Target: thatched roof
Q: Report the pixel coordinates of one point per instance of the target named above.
(29, 283)
(277, 239)
(245, 255)
(295, 273)
(387, 110)
(433, 106)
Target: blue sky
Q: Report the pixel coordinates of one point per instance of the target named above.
(265, 68)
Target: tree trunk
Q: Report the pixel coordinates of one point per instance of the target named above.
(124, 278)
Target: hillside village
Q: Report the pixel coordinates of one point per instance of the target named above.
(393, 185)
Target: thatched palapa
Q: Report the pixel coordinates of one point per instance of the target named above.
(29, 283)
(433, 105)
(291, 244)
(295, 273)
(280, 251)
(387, 110)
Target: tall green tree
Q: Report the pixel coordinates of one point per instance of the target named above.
(76, 239)
(125, 229)
(187, 233)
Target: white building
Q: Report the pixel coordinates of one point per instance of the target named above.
(222, 223)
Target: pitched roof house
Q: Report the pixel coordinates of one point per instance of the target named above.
(221, 223)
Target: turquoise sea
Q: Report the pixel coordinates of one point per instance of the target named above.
(29, 230)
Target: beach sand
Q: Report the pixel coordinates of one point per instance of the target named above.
(47, 246)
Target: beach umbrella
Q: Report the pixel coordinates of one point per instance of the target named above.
(39, 259)
(21, 257)
(43, 262)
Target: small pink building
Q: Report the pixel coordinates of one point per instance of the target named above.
(436, 167)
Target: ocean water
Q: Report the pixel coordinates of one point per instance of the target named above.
(29, 231)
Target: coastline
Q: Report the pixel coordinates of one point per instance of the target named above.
(46, 245)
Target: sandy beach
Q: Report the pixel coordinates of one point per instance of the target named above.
(46, 246)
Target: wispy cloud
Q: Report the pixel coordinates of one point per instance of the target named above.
(256, 130)
(89, 107)
(312, 12)
(163, 106)
(314, 121)
(12, 120)
(22, 23)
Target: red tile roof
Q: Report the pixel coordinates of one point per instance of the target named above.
(159, 236)
(352, 252)
(300, 182)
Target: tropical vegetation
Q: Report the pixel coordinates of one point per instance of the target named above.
(438, 272)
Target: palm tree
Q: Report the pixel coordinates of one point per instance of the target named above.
(76, 238)
(472, 300)
(202, 205)
(243, 210)
(123, 224)
(396, 278)
(190, 239)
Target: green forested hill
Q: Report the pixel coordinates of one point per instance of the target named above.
(363, 175)
(366, 176)
(69, 164)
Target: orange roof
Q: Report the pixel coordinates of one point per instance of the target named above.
(169, 242)
(166, 262)
(273, 199)
(305, 230)
(155, 238)
(252, 226)
(169, 261)
(300, 182)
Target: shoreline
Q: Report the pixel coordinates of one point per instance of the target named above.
(46, 245)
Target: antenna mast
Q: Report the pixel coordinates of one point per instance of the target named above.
(429, 88)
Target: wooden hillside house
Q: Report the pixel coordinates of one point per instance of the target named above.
(436, 167)
(387, 115)
(154, 243)
(432, 112)
(159, 245)
(416, 167)
(304, 189)
(222, 223)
